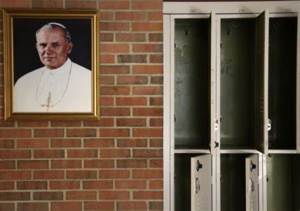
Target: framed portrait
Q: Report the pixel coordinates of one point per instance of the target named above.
(50, 64)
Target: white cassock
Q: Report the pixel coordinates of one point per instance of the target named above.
(65, 89)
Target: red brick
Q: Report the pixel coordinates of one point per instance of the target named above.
(114, 5)
(14, 154)
(115, 112)
(155, 16)
(14, 196)
(116, 69)
(68, 123)
(7, 207)
(114, 26)
(114, 48)
(114, 153)
(147, 153)
(130, 37)
(62, 185)
(49, 153)
(131, 163)
(114, 195)
(130, 16)
(147, 69)
(7, 186)
(147, 5)
(133, 143)
(6, 144)
(156, 163)
(156, 143)
(7, 164)
(132, 80)
(131, 122)
(32, 143)
(158, 122)
(115, 90)
(99, 143)
(48, 132)
(15, 175)
(65, 164)
(106, 37)
(156, 80)
(60, 206)
(106, 101)
(147, 26)
(114, 132)
(33, 124)
(156, 184)
(147, 173)
(32, 206)
(153, 90)
(92, 4)
(147, 111)
(132, 205)
(106, 16)
(130, 184)
(156, 101)
(81, 174)
(156, 205)
(98, 184)
(49, 174)
(15, 133)
(103, 122)
(107, 80)
(147, 48)
(33, 164)
(99, 206)
(147, 132)
(132, 58)
(86, 132)
(156, 58)
(131, 101)
(148, 195)
(99, 163)
(82, 153)
(104, 174)
(65, 143)
(15, 3)
(156, 37)
(81, 195)
(107, 59)
(31, 185)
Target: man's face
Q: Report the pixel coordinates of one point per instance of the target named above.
(52, 47)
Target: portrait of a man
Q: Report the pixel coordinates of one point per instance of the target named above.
(60, 85)
(51, 64)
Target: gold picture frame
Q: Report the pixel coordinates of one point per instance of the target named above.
(50, 64)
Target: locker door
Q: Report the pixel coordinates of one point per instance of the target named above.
(201, 183)
(261, 86)
(252, 183)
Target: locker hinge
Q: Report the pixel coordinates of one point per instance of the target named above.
(269, 125)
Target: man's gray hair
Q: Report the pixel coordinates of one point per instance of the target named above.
(55, 25)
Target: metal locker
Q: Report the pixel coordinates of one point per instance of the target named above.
(201, 186)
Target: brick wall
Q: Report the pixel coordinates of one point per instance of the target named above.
(114, 163)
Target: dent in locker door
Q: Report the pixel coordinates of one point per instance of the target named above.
(201, 187)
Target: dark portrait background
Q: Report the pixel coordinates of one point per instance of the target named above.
(25, 54)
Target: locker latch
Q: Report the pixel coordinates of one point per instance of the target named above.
(269, 125)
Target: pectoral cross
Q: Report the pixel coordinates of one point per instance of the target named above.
(48, 105)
